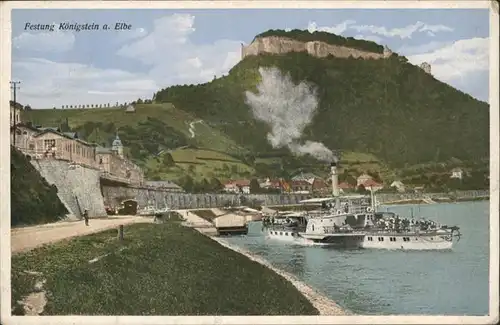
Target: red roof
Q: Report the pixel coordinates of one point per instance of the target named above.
(241, 182)
(300, 183)
(345, 185)
(319, 183)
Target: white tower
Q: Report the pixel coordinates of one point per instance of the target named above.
(117, 146)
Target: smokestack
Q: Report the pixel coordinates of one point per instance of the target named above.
(335, 179)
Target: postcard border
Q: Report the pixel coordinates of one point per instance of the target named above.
(5, 261)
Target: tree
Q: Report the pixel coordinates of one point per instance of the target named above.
(204, 186)
(28, 108)
(216, 185)
(188, 184)
(254, 186)
(168, 160)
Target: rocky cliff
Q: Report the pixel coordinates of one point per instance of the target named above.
(283, 45)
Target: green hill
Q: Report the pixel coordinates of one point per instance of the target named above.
(388, 113)
(388, 108)
(32, 199)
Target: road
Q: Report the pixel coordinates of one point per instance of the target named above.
(27, 238)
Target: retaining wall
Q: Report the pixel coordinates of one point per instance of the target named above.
(114, 195)
(78, 187)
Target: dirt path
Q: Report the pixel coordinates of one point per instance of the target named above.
(27, 238)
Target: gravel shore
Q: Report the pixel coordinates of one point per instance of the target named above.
(324, 305)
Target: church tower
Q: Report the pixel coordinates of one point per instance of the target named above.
(117, 146)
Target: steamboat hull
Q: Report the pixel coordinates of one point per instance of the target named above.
(408, 242)
(366, 241)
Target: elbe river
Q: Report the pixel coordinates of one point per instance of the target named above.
(394, 282)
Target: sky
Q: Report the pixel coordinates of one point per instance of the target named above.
(166, 47)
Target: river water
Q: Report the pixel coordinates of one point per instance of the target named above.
(394, 282)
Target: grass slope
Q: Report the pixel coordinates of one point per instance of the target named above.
(32, 199)
(205, 136)
(200, 164)
(164, 269)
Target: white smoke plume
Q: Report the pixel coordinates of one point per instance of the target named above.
(287, 108)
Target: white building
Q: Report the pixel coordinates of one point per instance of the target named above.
(399, 186)
(457, 173)
(363, 179)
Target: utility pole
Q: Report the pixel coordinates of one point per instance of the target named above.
(14, 86)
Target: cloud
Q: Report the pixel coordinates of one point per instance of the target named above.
(166, 51)
(372, 38)
(46, 41)
(403, 32)
(47, 84)
(454, 63)
(336, 29)
(134, 34)
(422, 48)
(174, 58)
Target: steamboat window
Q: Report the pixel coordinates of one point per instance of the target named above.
(281, 233)
(286, 234)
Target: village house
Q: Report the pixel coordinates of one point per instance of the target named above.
(24, 137)
(15, 114)
(457, 173)
(320, 186)
(237, 186)
(362, 179)
(130, 108)
(372, 185)
(268, 184)
(308, 177)
(399, 186)
(301, 187)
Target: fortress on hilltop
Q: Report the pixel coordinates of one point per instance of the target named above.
(282, 45)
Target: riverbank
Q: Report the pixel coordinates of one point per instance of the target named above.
(324, 305)
(158, 269)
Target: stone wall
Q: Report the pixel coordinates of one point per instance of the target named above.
(114, 195)
(282, 45)
(390, 197)
(78, 187)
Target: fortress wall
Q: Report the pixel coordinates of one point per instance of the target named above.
(281, 45)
